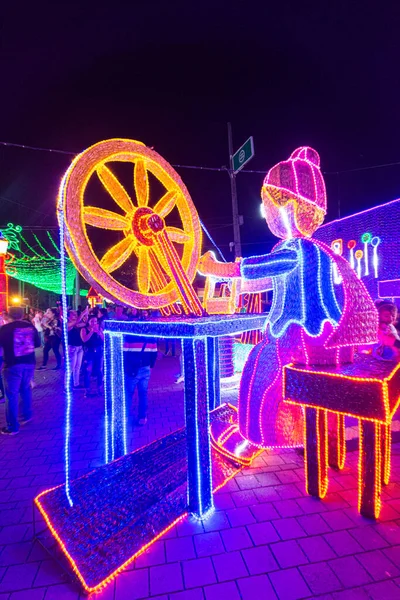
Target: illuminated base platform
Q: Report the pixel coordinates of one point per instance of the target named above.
(122, 507)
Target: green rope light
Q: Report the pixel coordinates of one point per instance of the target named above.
(40, 270)
(43, 273)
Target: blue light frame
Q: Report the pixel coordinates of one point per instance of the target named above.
(202, 388)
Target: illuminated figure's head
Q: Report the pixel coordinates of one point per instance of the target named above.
(294, 195)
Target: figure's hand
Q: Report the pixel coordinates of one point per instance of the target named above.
(209, 265)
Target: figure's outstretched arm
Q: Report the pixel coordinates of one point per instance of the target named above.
(255, 272)
(268, 265)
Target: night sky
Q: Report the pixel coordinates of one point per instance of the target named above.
(172, 74)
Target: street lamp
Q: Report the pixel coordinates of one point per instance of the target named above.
(3, 274)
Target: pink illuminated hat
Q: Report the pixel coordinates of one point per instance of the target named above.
(299, 177)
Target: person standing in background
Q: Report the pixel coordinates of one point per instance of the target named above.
(18, 340)
(75, 344)
(93, 341)
(37, 322)
(52, 336)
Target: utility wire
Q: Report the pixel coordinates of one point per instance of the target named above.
(196, 167)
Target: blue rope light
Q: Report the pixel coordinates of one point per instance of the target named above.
(66, 358)
(211, 240)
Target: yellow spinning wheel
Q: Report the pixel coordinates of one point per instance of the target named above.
(166, 255)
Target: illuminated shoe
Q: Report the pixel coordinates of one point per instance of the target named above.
(227, 440)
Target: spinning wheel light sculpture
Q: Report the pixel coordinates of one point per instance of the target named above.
(163, 276)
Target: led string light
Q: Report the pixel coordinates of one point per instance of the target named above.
(68, 394)
(375, 243)
(366, 238)
(351, 245)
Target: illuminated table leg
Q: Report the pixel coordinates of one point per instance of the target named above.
(115, 410)
(213, 373)
(336, 440)
(197, 385)
(386, 443)
(369, 467)
(316, 452)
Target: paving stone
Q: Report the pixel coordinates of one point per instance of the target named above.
(337, 520)
(313, 524)
(217, 521)
(244, 498)
(198, 572)
(377, 565)
(132, 585)
(368, 538)
(179, 549)
(266, 494)
(69, 592)
(247, 483)
(18, 577)
(353, 594)
(288, 554)
(316, 548)
(288, 508)
(194, 594)
(154, 555)
(263, 533)
(386, 590)
(320, 578)
(165, 579)
(256, 588)
(207, 544)
(222, 591)
(264, 512)
(310, 505)
(236, 538)
(342, 543)
(229, 566)
(259, 560)
(240, 516)
(189, 526)
(393, 554)
(349, 571)
(288, 529)
(49, 573)
(31, 594)
(289, 584)
(223, 501)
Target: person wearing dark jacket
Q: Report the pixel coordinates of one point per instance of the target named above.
(18, 340)
(140, 355)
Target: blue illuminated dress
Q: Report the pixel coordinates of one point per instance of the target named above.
(306, 325)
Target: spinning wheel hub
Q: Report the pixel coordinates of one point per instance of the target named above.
(146, 224)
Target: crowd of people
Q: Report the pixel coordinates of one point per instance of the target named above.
(21, 332)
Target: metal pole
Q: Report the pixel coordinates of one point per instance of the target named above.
(235, 213)
(77, 290)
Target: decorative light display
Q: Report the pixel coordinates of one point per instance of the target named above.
(40, 269)
(305, 323)
(375, 243)
(366, 238)
(326, 392)
(337, 247)
(351, 245)
(359, 255)
(375, 233)
(164, 275)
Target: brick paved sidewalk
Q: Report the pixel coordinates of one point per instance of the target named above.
(267, 539)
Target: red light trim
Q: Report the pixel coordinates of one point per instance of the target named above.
(73, 564)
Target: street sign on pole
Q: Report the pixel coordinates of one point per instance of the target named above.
(243, 155)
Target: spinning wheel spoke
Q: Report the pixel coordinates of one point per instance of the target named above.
(166, 204)
(118, 254)
(141, 183)
(178, 235)
(144, 270)
(105, 219)
(115, 188)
